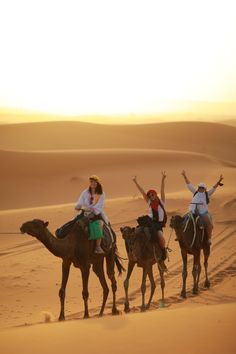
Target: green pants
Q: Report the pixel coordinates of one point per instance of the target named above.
(95, 231)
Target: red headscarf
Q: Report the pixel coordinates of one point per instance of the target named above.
(154, 203)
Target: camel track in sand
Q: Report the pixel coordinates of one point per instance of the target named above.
(220, 269)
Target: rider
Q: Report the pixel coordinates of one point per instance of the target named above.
(156, 211)
(201, 200)
(92, 200)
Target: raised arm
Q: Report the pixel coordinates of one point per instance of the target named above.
(188, 183)
(141, 190)
(185, 177)
(218, 183)
(163, 198)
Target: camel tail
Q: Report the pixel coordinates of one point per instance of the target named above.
(119, 265)
(119, 262)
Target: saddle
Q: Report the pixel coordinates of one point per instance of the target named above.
(198, 224)
(108, 239)
(194, 218)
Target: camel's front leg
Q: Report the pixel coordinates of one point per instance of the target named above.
(85, 276)
(153, 285)
(126, 285)
(62, 292)
(143, 288)
(184, 272)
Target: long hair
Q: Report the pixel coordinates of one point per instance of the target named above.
(98, 189)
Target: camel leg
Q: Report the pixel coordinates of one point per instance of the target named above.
(153, 286)
(85, 293)
(206, 251)
(143, 288)
(99, 271)
(184, 272)
(126, 285)
(62, 292)
(195, 272)
(162, 284)
(110, 261)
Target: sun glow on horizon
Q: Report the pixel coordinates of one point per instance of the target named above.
(104, 57)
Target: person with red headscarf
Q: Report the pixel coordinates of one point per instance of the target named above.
(157, 211)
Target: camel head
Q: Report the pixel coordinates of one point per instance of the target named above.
(34, 228)
(176, 222)
(127, 232)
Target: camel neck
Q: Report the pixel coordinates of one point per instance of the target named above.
(54, 245)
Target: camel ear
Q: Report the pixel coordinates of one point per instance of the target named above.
(121, 229)
(46, 224)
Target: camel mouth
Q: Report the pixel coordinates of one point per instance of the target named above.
(22, 230)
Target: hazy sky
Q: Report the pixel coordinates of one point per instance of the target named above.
(116, 57)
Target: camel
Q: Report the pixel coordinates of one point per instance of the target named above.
(141, 251)
(77, 249)
(192, 238)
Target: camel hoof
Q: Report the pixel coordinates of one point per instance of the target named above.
(147, 307)
(143, 308)
(115, 312)
(183, 294)
(207, 284)
(127, 308)
(100, 314)
(195, 291)
(61, 318)
(86, 316)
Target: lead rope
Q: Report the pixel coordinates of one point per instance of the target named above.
(168, 249)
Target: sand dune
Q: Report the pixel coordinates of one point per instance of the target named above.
(45, 178)
(201, 137)
(31, 277)
(165, 333)
(44, 167)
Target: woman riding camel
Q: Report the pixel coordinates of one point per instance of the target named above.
(92, 201)
(200, 201)
(156, 211)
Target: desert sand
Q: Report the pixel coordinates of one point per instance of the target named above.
(44, 167)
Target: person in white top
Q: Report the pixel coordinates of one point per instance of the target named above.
(156, 210)
(92, 200)
(200, 201)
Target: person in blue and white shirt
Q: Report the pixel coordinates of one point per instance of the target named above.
(200, 200)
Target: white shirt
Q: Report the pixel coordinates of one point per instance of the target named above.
(199, 197)
(159, 210)
(84, 201)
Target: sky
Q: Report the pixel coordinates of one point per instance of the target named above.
(116, 57)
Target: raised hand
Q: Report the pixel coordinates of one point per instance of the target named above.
(183, 173)
(221, 178)
(134, 179)
(163, 174)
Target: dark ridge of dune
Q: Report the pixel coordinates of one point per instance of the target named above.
(214, 139)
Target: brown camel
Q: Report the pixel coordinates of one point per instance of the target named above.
(141, 251)
(77, 249)
(192, 239)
